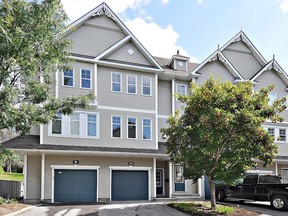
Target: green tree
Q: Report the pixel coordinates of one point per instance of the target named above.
(32, 48)
(10, 158)
(220, 131)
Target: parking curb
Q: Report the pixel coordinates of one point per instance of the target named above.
(20, 211)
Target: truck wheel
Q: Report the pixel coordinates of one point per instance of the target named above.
(279, 202)
(220, 196)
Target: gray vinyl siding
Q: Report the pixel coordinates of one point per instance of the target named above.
(33, 177)
(104, 171)
(242, 59)
(105, 139)
(65, 91)
(215, 69)
(108, 98)
(92, 41)
(104, 22)
(122, 55)
(162, 123)
(35, 130)
(164, 97)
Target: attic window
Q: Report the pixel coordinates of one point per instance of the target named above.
(130, 51)
(180, 63)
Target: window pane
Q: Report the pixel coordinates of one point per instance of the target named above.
(116, 87)
(85, 83)
(272, 98)
(85, 79)
(146, 91)
(181, 89)
(68, 78)
(116, 126)
(146, 129)
(282, 134)
(146, 85)
(179, 177)
(56, 124)
(91, 125)
(271, 131)
(132, 128)
(131, 84)
(74, 124)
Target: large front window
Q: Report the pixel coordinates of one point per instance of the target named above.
(116, 126)
(57, 124)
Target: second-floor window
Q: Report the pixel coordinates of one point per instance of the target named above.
(146, 86)
(146, 129)
(91, 125)
(116, 80)
(282, 134)
(68, 78)
(271, 131)
(116, 126)
(132, 130)
(74, 124)
(181, 89)
(86, 79)
(131, 84)
(57, 124)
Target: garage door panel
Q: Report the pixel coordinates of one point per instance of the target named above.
(75, 185)
(129, 185)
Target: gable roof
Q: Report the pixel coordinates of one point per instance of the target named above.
(103, 9)
(273, 64)
(218, 55)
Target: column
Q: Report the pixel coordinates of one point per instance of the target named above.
(42, 176)
(170, 179)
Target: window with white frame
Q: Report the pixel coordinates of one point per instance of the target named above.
(132, 127)
(271, 131)
(282, 134)
(146, 86)
(116, 82)
(74, 124)
(92, 125)
(57, 124)
(131, 84)
(85, 79)
(146, 129)
(68, 78)
(181, 89)
(272, 97)
(116, 126)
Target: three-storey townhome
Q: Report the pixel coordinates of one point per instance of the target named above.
(114, 150)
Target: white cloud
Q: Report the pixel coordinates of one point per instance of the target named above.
(158, 41)
(165, 1)
(77, 8)
(199, 1)
(284, 6)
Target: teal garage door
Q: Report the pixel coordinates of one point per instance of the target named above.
(129, 185)
(72, 186)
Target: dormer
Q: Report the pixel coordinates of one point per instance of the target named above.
(179, 62)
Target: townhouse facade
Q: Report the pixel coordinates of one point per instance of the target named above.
(114, 150)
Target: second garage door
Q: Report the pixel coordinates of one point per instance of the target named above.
(129, 185)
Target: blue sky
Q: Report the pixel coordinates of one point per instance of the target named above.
(196, 27)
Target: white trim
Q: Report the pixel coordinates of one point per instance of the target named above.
(170, 179)
(156, 111)
(72, 167)
(90, 80)
(127, 84)
(57, 83)
(25, 175)
(73, 86)
(151, 129)
(126, 109)
(111, 125)
(134, 168)
(95, 81)
(173, 97)
(136, 128)
(42, 176)
(116, 73)
(150, 78)
(112, 48)
(276, 168)
(199, 186)
(41, 134)
(154, 178)
(163, 116)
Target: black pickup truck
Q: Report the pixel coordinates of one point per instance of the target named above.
(258, 187)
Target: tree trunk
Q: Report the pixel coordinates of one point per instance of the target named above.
(10, 166)
(212, 192)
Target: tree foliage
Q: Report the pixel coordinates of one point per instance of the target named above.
(32, 48)
(220, 133)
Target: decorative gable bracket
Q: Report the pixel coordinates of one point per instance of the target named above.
(103, 11)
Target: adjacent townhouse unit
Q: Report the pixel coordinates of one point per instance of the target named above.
(114, 150)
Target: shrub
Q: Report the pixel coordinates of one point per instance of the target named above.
(1, 170)
(7, 201)
(220, 209)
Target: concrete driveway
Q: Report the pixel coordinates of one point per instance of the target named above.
(116, 209)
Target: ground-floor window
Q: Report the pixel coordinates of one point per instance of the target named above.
(284, 174)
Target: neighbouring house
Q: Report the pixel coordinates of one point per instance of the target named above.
(114, 150)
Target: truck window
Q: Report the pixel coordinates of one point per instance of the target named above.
(250, 179)
(269, 179)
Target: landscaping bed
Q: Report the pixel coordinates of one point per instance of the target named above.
(10, 205)
(204, 209)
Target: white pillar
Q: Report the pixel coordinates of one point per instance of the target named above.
(199, 186)
(156, 111)
(154, 177)
(25, 176)
(170, 179)
(173, 97)
(276, 168)
(42, 175)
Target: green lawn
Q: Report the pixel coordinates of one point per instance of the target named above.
(12, 176)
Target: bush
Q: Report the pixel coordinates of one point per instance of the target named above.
(1, 170)
(7, 201)
(220, 209)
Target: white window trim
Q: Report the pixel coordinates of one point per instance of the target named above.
(72, 167)
(281, 141)
(73, 80)
(142, 78)
(151, 131)
(127, 84)
(120, 82)
(90, 80)
(135, 126)
(181, 84)
(120, 126)
(277, 133)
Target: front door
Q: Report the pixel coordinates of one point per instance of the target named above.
(179, 178)
(159, 182)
